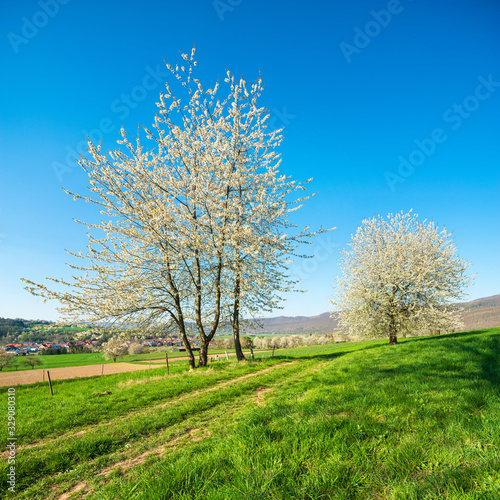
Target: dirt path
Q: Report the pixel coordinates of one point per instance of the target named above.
(31, 376)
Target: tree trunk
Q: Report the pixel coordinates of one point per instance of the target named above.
(206, 339)
(393, 339)
(236, 321)
(203, 359)
(185, 340)
(237, 346)
(179, 319)
(187, 345)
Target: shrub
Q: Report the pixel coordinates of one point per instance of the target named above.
(135, 348)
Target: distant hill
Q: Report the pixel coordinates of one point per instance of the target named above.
(480, 313)
(477, 314)
(284, 325)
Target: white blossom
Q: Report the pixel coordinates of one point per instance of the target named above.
(195, 229)
(400, 276)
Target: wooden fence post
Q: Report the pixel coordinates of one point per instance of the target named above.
(43, 375)
(166, 359)
(50, 383)
(149, 364)
(102, 371)
(227, 355)
(273, 351)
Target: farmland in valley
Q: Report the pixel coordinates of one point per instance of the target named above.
(97, 358)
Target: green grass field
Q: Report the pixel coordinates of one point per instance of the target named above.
(145, 357)
(60, 361)
(420, 420)
(97, 358)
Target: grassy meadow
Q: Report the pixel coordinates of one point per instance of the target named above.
(420, 420)
(155, 355)
(97, 358)
(59, 361)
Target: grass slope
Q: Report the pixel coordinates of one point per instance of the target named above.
(420, 420)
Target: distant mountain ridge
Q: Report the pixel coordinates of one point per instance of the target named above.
(482, 313)
(304, 325)
(477, 314)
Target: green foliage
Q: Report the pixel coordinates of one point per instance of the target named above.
(11, 327)
(55, 351)
(31, 361)
(34, 331)
(6, 360)
(80, 349)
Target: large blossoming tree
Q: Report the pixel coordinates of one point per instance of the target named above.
(196, 229)
(399, 276)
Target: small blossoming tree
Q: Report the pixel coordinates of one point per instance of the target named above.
(114, 348)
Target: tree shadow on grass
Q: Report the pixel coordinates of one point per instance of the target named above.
(382, 344)
(329, 355)
(487, 355)
(490, 364)
(456, 335)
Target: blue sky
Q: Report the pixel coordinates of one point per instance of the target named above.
(388, 105)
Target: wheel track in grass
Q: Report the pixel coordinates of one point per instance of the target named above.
(129, 458)
(149, 409)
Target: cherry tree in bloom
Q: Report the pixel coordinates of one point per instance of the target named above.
(399, 276)
(114, 348)
(196, 229)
